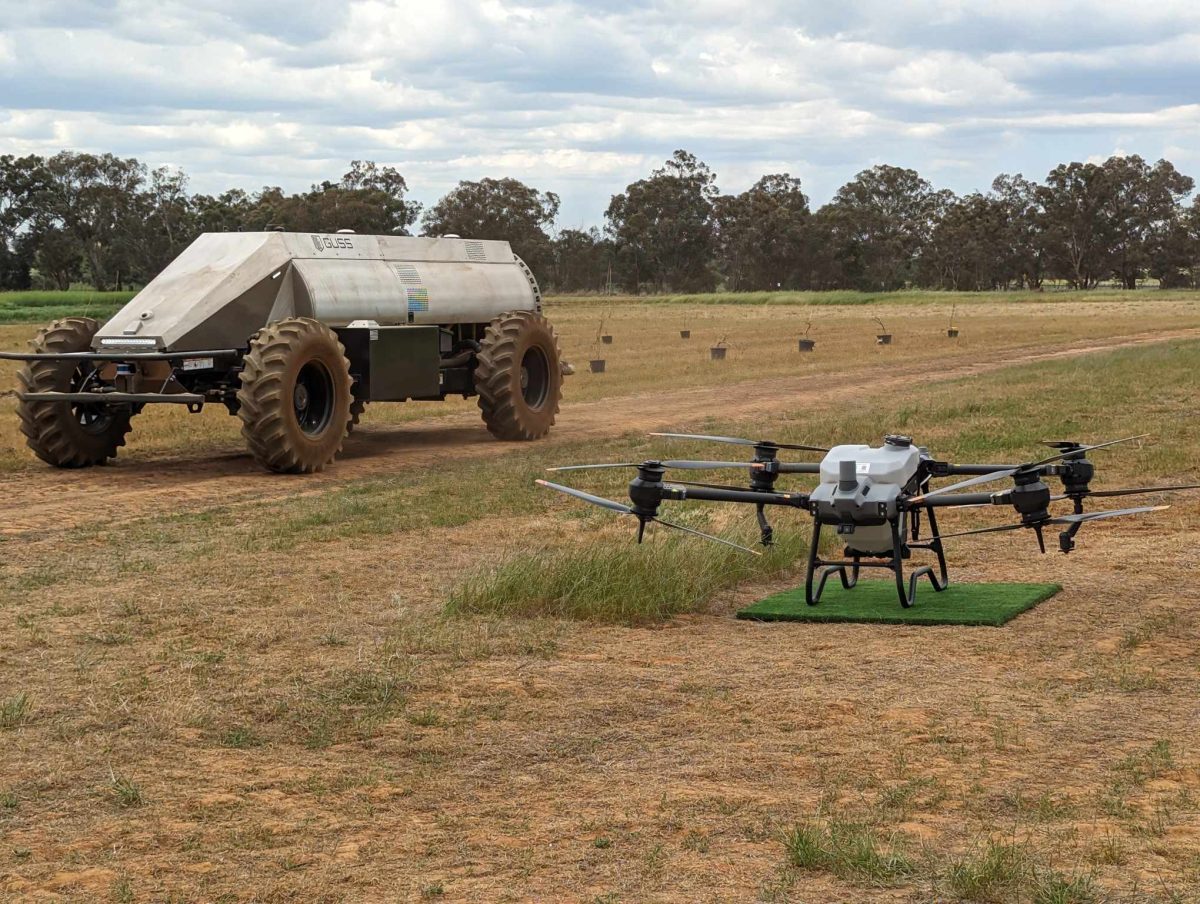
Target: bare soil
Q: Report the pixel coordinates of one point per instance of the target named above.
(29, 500)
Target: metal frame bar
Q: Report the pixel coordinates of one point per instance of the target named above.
(120, 356)
(108, 398)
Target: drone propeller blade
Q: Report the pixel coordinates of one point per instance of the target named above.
(982, 530)
(721, 540)
(709, 465)
(620, 464)
(1009, 472)
(1063, 519)
(969, 482)
(1098, 516)
(626, 510)
(738, 441)
(1134, 491)
(587, 497)
(1081, 450)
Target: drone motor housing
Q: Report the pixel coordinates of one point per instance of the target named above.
(860, 491)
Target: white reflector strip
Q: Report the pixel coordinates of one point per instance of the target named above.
(129, 340)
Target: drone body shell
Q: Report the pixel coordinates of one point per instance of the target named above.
(860, 491)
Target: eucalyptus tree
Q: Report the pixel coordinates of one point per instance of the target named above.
(1141, 208)
(879, 223)
(761, 235)
(663, 227)
(499, 209)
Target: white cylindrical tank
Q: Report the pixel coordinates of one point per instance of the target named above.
(226, 286)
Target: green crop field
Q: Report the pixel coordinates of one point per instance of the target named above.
(38, 306)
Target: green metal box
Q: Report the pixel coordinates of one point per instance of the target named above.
(394, 363)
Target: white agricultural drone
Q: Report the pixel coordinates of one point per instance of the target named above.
(874, 498)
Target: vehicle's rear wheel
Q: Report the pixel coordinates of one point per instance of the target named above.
(294, 400)
(518, 376)
(69, 434)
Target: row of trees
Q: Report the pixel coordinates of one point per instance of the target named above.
(113, 222)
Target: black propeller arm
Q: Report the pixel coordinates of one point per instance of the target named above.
(795, 467)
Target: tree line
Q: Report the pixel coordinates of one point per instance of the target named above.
(113, 222)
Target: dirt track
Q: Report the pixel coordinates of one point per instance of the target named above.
(41, 498)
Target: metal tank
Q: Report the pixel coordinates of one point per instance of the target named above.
(225, 286)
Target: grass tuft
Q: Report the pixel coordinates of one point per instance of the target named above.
(127, 793)
(1053, 888)
(848, 850)
(618, 583)
(240, 738)
(14, 711)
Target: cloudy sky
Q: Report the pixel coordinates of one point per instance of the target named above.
(582, 98)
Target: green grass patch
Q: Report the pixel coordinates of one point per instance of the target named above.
(1003, 871)
(39, 306)
(14, 711)
(126, 792)
(849, 850)
(622, 583)
(878, 602)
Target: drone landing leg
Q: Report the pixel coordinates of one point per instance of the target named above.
(812, 566)
(908, 594)
(847, 572)
(935, 546)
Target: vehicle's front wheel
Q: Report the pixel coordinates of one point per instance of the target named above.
(295, 398)
(69, 434)
(518, 376)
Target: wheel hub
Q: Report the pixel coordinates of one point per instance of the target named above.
(535, 377)
(313, 398)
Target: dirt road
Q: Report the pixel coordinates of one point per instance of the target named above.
(41, 499)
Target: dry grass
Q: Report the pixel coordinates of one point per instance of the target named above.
(257, 696)
(647, 354)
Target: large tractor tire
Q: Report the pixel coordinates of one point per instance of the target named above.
(518, 376)
(69, 434)
(294, 400)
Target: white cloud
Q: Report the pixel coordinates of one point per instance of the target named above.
(583, 97)
(950, 79)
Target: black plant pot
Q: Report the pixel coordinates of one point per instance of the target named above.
(717, 352)
(883, 339)
(952, 332)
(685, 334)
(607, 340)
(807, 345)
(597, 365)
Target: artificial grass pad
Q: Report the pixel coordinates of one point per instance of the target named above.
(877, 601)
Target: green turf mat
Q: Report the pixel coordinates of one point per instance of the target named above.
(876, 601)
